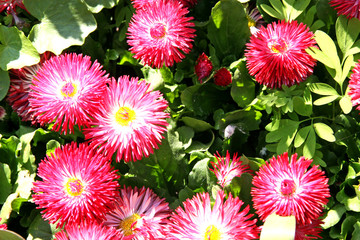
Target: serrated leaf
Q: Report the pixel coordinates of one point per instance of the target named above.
(323, 89)
(279, 228)
(16, 51)
(62, 24)
(324, 131)
(310, 144)
(345, 104)
(301, 136)
(325, 100)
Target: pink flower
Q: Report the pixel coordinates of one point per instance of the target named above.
(200, 220)
(188, 3)
(203, 67)
(10, 5)
(290, 189)
(308, 231)
(66, 91)
(222, 77)
(354, 86)
(276, 54)
(160, 34)
(3, 226)
(78, 185)
(20, 82)
(131, 120)
(349, 8)
(255, 20)
(88, 231)
(139, 212)
(138, 4)
(226, 169)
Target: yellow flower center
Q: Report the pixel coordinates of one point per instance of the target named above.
(69, 89)
(74, 187)
(158, 31)
(251, 22)
(212, 233)
(278, 46)
(128, 224)
(124, 116)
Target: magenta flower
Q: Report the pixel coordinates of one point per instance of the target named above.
(203, 67)
(160, 34)
(3, 226)
(66, 91)
(78, 184)
(276, 54)
(226, 169)
(349, 8)
(188, 3)
(308, 231)
(354, 86)
(290, 189)
(20, 82)
(139, 212)
(224, 220)
(88, 231)
(131, 120)
(222, 77)
(10, 5)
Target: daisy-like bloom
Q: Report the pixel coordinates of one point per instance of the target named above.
(20, 82)
(276, 54)
(255, 20)
(308, 231)
(131, 120)
(78, 184)
(349, 8)
(203, 67)
(88, 231)
(10, 5)
(222, 77)
(354, 86)
(2, 113)
(3, 226)
(138, 4)
(139, 212)
(159, 33)
(226, 168)
(66, 91)
(198, 220)
(290, 189)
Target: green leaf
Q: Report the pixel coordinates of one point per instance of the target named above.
(96, 6)
(327, 45)
(287, 130)
(347, 226)
(345, 104)
(324, 131)
(4, 83)
(278, 6)
(333, 216)
(325, 100)
(297, 8)
(279, 228)
(16, 204)
(62, 24)
(196, 124)
(301, 107)
(5, 182)
(349, 63)
(41, 229)
(228, 28)
(301, 136)
(9, 235)
(310, 144)
(200, 175)
(16, 51)
(347, 31)
(243, 87)
(273, 13)
(323, 89)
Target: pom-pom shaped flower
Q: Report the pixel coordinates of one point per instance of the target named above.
(10, 5)
(198, 220)
(203, 67)
(131, 120)
(354, 86)
(226, 169)
(160, 34)
(308, 231)
(88, 231)
(66, 90)
(20, 82)
(276, 54)
(78, 184)
(290, 189)
(139, 212)
(349, 8)
(222, 77)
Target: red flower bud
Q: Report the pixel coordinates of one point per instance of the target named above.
(203, 67)
(222, 77)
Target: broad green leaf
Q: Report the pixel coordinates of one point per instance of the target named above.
(16, 51)
(333, 216)
(62, 24)
(325, 100)
(310, 144)
(154, 77)
(301, 136)
(356, 233)
(349, 63)
(279, 228)
(197, 124)
(96, 6)
(322, 89)
(51, 146)
(24, 183)
(185, 135)
(278, 6)
(300, 107)
(41, 229)
(347, 31)
(4, 83)
(187, 96)
(354, 50)
(228, 28)
(207, 140)
(324, 131)
(269, 10)
(287, 130)
(16, 204)
(320, 56)
(200, 175)
(243, 87)
(9, 235)
(5, 182)
(327, 45)
(345, 104)
(6, 207)
(297, 8)
(247, 120)
(347, 226)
